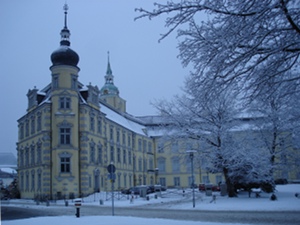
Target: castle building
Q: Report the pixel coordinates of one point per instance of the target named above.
(71, 132)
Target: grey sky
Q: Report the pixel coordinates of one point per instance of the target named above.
(143, 69)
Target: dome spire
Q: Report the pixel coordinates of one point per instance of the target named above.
(64, 55)
(109, 88)
(108, 71)
(65, 33)
(66, 7)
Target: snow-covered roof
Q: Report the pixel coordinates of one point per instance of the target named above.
(122, 120)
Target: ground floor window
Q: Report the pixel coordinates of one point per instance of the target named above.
(65, 165)
(176, 181)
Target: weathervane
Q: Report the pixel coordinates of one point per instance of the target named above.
(66, 7)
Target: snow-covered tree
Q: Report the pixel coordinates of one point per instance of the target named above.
(281, 114)
(248, 42)
(211, 122)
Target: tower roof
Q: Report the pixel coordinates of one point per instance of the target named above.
(64, 55)
(109, 88)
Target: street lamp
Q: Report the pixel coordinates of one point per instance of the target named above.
(191, 154)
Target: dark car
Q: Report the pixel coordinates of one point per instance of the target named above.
(281, 181)
(132, 190)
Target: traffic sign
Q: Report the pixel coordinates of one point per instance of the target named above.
(111, 168)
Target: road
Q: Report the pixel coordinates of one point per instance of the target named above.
(287, 218)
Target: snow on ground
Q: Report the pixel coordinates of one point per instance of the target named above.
(96, 220)
(172, 199)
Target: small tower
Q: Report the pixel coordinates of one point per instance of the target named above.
(109, 93)
(65, 140)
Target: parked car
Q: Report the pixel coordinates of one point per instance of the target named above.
(281, 181)
(214, 187)
(132, 190)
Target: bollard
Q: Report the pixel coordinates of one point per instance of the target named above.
(77, 205)
(77, 212)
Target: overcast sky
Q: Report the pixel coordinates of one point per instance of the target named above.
(144, 70)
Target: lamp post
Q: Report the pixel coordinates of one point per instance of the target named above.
(191, 154)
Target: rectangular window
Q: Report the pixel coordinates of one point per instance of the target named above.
(123, 138)
(39, 154)
(129, 142)
(100, 154)
(144, 146)
(151, 165)
(176, 181)
(32, 154)
(39, 187)
(21, 158)
(65, 165)
(129, 157)
(22, 131)
(161, 165)
(124, 156)
(175, 165)
(112, 155)
(111, 134)
(55, 81)
(140, 165)
(140, 145)
(149, 147)
(22, 183)
(27, 128)
(32, 182)
(74, 82)
(65, 102)
(92, 123)
(162, 181)
(118, 155)
(118, 136)
(26, 157)
(33, 125)
(27, 182)
(39, 123)
(65, 136)
(92, 156)
(99, 125)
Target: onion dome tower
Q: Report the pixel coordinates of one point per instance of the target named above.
(64, 55)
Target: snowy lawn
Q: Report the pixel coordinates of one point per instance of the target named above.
(172, 199)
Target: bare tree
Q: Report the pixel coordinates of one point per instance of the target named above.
(248, 42)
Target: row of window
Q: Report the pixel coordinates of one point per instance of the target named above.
(31, 181)
(175, 163)
(30, 155)
(144, 147)
(30, 126)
